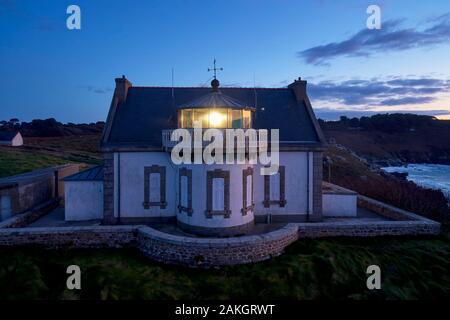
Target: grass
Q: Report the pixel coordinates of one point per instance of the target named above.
(310, 269)
(37, 153)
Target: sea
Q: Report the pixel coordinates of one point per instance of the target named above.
(432, 176)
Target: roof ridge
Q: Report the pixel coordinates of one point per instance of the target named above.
(187, 87)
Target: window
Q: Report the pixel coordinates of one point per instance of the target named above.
(202, 116)
(220, 118)
(154, 187)
(247, 190)
(186, 118)
(247, 115)
(274, 189)
(218, 193)
(234, 119)
(185, 191)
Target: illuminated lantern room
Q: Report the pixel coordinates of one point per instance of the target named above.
(215, 110)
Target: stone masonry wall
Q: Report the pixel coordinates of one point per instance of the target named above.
(204, 252)
(71, 237)
(367, 229)
(388, 211)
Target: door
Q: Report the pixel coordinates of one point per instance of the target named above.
(5, 207)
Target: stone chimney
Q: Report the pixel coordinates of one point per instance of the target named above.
(299, 88)
(122, 85)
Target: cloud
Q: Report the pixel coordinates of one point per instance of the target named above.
(406, 100)
(379, 92)
(333, 114)
(391, 37)
(95, 89)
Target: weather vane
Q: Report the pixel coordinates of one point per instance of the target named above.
(215, 69)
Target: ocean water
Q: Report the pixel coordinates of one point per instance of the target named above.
(432, 176)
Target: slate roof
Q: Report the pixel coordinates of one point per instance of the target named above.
(7, 135)
(93, 174)
(215, 99)
(147, 111)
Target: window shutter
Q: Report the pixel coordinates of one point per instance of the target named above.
(218, 194)
(249, 194)
(184, 191)
(274, 188)
(154, 187)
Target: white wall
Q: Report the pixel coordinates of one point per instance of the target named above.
(198, 218)
(339, 205)
(83, 200)
(132, 188)
(17, 141)
(132, 184)
(296, 173)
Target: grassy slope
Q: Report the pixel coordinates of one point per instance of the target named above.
(427, 145)
(43, 152)
(311, 269)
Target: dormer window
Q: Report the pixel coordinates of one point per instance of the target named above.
(215, 110)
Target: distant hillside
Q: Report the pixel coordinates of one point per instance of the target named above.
(389, 139)
(51, 128)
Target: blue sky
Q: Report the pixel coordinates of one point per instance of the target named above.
(50, 71)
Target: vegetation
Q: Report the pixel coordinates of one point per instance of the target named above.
(50, 128)
(310, 269)
(393, 138)
(44, 152)
(396, 122)
(385, 187)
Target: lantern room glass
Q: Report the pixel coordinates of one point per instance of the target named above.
(219, 118)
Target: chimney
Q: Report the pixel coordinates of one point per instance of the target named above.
(122, 85)
(299, 88)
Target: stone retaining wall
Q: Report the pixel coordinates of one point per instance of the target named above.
(24, 219)
(367, 229)
(388, 211)
(71, 237)
(205, 252)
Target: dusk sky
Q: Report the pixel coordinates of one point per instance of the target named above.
(49, 71)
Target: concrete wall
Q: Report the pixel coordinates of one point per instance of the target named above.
(83, 200)
(33, 188)
(339, 205)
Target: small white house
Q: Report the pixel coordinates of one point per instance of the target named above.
(84, 195)
(11, 138)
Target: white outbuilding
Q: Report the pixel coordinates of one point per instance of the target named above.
(84, 195)
(11, 138)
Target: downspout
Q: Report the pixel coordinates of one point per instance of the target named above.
(118, 188)
(307, 187)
